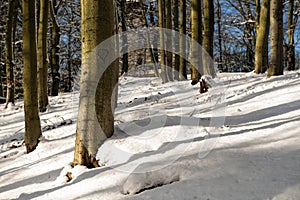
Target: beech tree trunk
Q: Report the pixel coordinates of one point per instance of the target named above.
(196, 29)
(276, 20)
(182, 42)
(42, 56)
(161, 24)
(32, 120)
(261, 46)
(96, 106)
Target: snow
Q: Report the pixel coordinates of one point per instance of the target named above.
(239, 141)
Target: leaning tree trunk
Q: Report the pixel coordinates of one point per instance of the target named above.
(276, 20)
(54, 49)
(96, 113)
(42, 56)
(196, 52)
(9, 31)
(182, 42)
(32, 120)
(261, 46)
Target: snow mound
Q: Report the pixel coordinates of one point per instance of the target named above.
(139, 182)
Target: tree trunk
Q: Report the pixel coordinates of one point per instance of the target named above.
(182, 42)
(42, 56)
(196, 52)
(124, 39)
(161, 24)
(176, 40)
(169, 43)
(9, 31)
(208, 39)
(276, 20)
(261, 46)
(54, 62)
(219, 14)
(32, 120)
(96, 106)
(292, 22)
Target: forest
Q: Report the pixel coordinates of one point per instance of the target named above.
(94, 76)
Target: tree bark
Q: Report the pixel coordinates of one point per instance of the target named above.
(176, 39)
(54, 62)
(161, 24)
(168, 40)
(182, 42)
(9, 31)
(261, 46)
(32, 120)
(124, 39)
(196, 29)
(219, 14)
(292, 22)
(276, 20)
(96, 106)
(42, 56)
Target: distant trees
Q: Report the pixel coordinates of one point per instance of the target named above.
(32, 120)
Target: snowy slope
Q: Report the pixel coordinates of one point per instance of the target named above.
(239, 141)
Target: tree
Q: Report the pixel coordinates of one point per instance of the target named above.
(95, 110)
(182, 42)
(32, 120)
(292, 22)
(54, 55)
(176, 44)
(208, 39)
(9, 31)
(168, 39)
(261, 46)
(124, 39)
(219, 14)
(276, 22)
(42, 56)
(196, 29)
(161, 24)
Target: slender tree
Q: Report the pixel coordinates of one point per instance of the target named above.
(42, 56)
(276, 22)
(182, 42)
(32, 120)
(124, 39)
(219, 15)
(161, 24)
(292, 22)
(9, 31)
(168, 40)
(261, 46)
(176, 40)
(196, 29)
(54, 61)
(208, 39)
(96, 106)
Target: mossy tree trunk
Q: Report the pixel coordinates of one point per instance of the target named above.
(32, 120)
(42, 56)
(96, 106)
(261, 46)
(276, 23)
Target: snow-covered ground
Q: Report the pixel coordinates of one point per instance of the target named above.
(239, 141)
